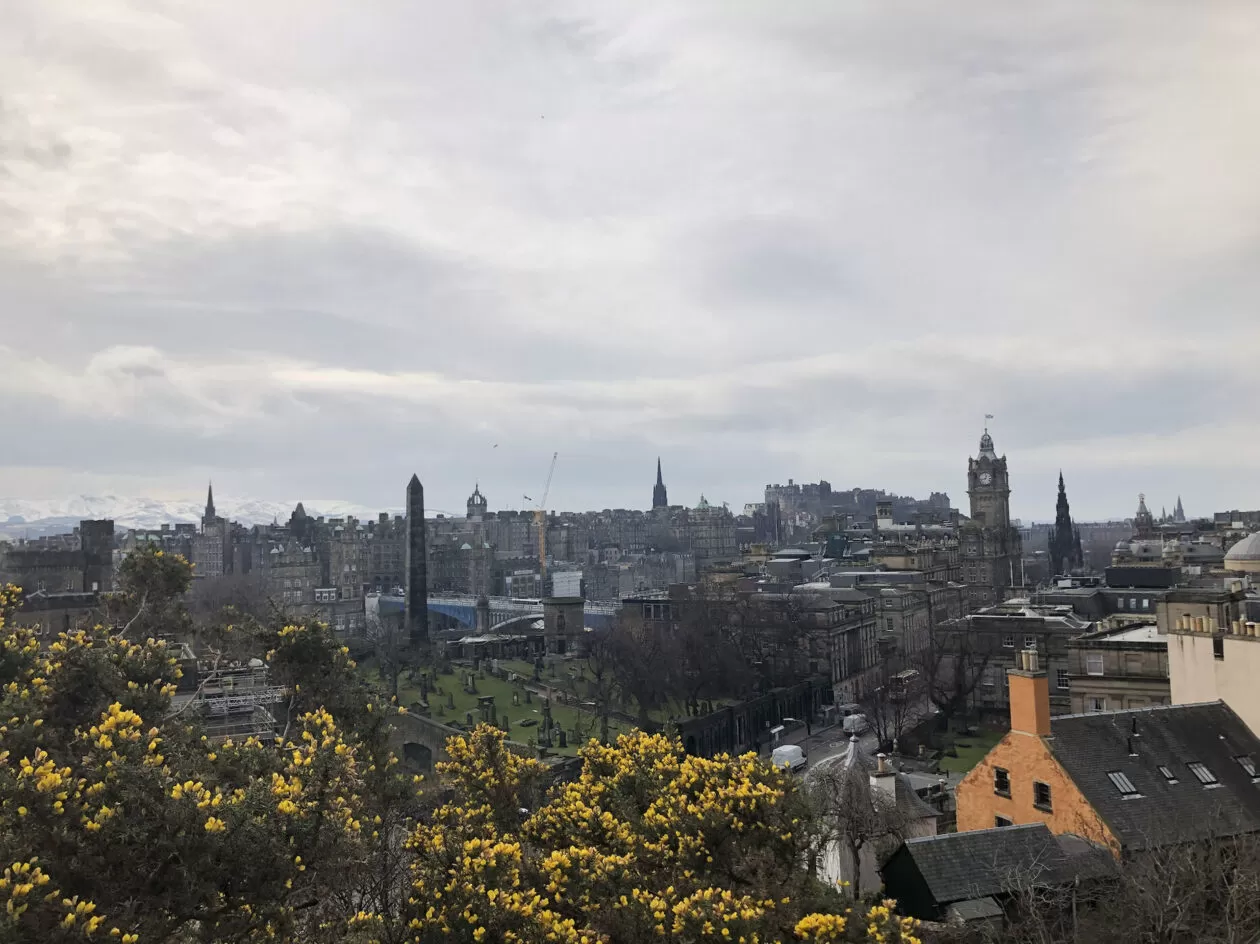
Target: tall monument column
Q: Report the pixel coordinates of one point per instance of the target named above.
(417, 566)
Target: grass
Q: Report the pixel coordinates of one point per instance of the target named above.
(568, 717)
(970, 749)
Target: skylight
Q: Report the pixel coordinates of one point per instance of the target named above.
(1206, 777)
(1168, 774)
(1248, 764)
(1123, 784)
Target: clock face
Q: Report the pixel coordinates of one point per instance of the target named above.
(986, 478)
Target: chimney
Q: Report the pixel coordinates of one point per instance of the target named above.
(1030, 696)
(884, 782)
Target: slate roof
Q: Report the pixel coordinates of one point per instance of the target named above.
(981, 862)
(1136, 744)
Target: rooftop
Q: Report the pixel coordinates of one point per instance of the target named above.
(1163, 774)
(982, 862)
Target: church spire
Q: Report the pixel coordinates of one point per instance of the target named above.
(1065, 539)
(1179, 513)
(659, 497)
(210, 515)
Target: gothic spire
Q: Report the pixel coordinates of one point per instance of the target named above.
(210, 503)
(659, 497)
(1065, 539)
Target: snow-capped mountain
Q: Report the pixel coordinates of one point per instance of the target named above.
(127, 512)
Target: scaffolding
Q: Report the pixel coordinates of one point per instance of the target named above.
(237, 702)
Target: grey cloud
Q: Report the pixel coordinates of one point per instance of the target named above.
(812, 240)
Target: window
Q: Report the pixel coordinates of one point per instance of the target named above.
(1133, 603)
(1041, 796)
(1008, 641)
(1123, 784)
(1206, 777)
(1000, 821)
(1248, 764)
(1218, 647)
(1168, 774)
(1030, 642)
(1001, 781)
(1096, 703)
(1093, 663)
(1146, 603)
(1064, 683)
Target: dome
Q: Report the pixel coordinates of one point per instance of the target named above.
(1246, 551)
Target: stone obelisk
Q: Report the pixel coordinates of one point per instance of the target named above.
(417, 617)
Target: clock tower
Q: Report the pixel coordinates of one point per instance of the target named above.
(991, 550)
(988, 486)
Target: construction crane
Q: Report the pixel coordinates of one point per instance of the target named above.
(540, 524)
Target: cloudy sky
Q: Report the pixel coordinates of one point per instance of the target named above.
(308, 248)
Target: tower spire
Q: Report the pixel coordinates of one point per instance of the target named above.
(660, 499)
(210, 515)
(1065, 539)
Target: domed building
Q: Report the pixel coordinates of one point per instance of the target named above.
(1244, 557)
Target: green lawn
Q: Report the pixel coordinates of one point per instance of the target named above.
(971, 750)
(571, 719)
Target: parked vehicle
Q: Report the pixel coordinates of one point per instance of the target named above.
(789, 756)
(856, 724)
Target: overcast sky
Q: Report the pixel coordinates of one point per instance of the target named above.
(309, 248)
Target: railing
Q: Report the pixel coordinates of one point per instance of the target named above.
(508, 604)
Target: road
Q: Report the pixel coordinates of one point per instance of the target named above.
(825, 747)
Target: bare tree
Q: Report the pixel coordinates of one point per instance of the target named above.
(891, 706)
(1207, 891)
(850, 818)
(953, 666)
(244, 595)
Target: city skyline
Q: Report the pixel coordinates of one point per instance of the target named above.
(311, 256)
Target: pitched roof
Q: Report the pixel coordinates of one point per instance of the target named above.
(1137, 744)
(963, 866)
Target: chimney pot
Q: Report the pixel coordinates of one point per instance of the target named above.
(882, 763)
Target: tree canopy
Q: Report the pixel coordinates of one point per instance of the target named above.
(122, 818)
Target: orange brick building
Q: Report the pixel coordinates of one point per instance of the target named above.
(1124, 779)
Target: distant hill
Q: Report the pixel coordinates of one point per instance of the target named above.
(26, 517)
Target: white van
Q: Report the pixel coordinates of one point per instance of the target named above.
(856, 724)
(789, 756)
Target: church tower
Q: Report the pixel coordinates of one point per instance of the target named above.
(477, 503)
(209, 516)
(659, 498)
(991, 550)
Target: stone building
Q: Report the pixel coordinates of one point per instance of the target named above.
(1118, 668)
(82, 564)
(992, 550)
(387, 549)
(291, 575)
(1129, 781)
(212, 548)
(348, 554)
(1208, 660)
(992, 638)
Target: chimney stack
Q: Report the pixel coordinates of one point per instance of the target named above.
(1030, 696)
(883, 781)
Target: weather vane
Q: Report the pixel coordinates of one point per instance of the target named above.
(987, 417)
